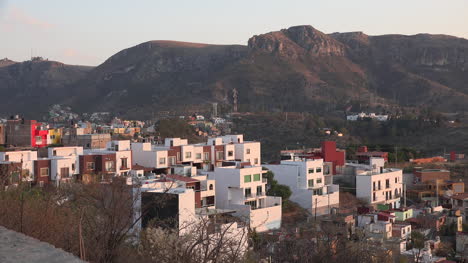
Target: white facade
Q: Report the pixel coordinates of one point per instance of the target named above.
(310, 188)
(147, 155)
(72, 153)
(123, 156)
(243, 189)
(62, 168)
(378, 185)
(27, 159)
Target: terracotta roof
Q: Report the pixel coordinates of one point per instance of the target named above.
(385, 214)
(460, 196)
(371, 153)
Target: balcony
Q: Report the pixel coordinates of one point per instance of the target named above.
(255, 195)
(264, 180)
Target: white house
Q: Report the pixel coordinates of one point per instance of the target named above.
(148, 155)
(241, 187)
(26, 158)
(58, 155)
(311, 189)
(378, 185)
(178, 204)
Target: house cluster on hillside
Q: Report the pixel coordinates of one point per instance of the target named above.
(364, 116)
(223, 181)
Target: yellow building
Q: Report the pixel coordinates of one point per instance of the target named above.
(55, 136)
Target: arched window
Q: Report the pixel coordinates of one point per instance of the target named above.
(211, 187)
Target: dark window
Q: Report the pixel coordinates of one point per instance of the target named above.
(123, 163)
(90, 165)
(248, 192)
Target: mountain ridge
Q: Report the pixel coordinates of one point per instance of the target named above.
(294, 69)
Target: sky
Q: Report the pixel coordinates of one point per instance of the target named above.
(87, 32)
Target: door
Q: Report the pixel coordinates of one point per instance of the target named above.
(65, 172)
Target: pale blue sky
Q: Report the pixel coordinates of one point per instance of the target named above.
(89, 31)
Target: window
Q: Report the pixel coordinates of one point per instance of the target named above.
(253, 204)
(64, 172)
(256, 161)
(52, 137)
(247, 151)
(310, 183)
(178, 156)
(219, 155)
(55, 153)
(311, 170)
(198, 156)
(318, 170)
(162, 160)
(207, 156)
(211, 187)
(44, 172)
(319, 181)
(259, 190)
(123, 163)
(230, 153)
(387, 183)
(396, 179)
(38, 140)
(73, 167)
(90, 165)
(110, 167)
(373, 186)
(248, 192)
(188, 154)
(379, 186)
(374, 197)
(326, 170)
(7, 158)
(247, 178)
(172, 160)
(256, 177)
(317, 191)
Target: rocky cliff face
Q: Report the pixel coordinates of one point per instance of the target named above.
(296, 41)
(294, 69)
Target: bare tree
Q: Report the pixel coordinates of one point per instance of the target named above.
(205, 239)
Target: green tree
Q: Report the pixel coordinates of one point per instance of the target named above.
(276, 189)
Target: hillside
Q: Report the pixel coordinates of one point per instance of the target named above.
(296, 69)
(32, 86)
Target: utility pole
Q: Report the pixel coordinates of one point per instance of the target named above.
(404, 194)
(315, 216)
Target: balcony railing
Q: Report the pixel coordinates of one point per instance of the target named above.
(255, 195)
